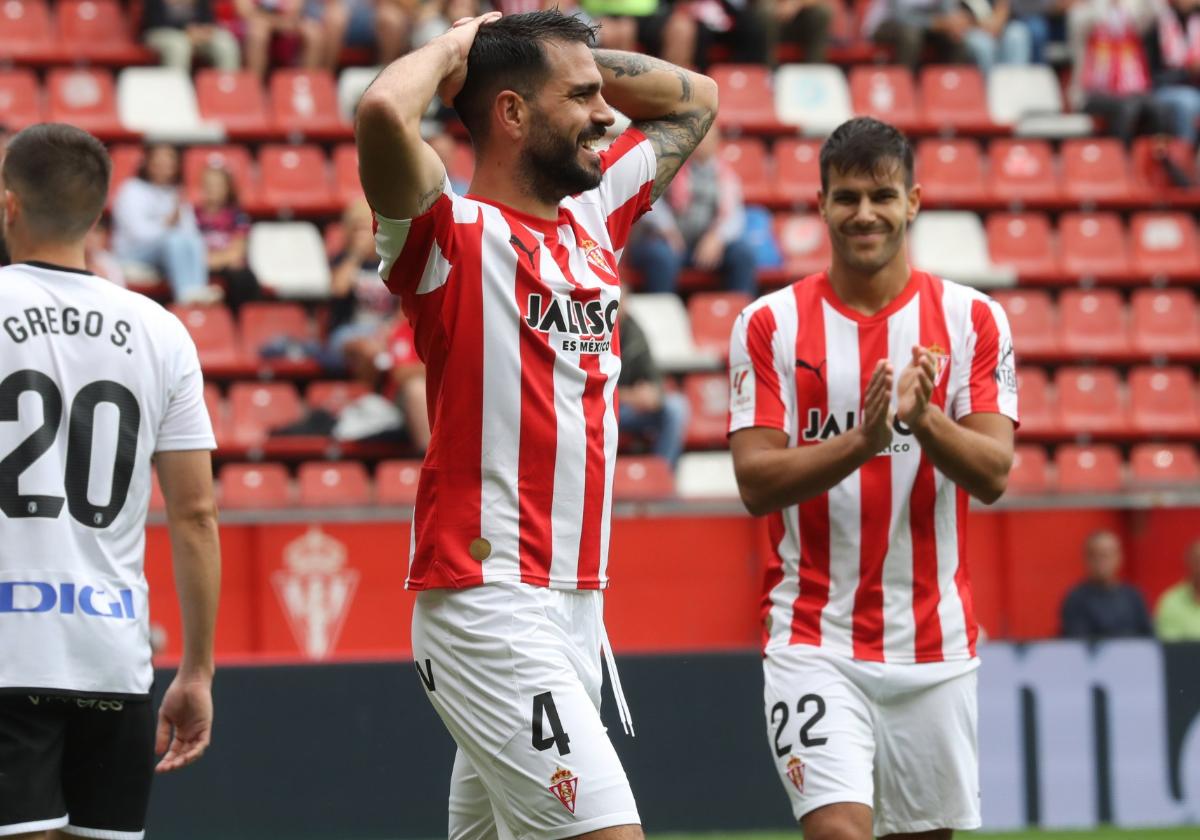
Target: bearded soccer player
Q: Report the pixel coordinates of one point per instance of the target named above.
(868, 403)
(96, 383)
(513, 293)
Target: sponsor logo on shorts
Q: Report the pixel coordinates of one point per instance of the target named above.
(315, 590)
(563, 785)
(795, 772)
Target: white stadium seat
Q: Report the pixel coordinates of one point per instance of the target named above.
(706, 475)
(350, 87)
(160, 102)
(953, 244)
(664, 320)
(815, 97)
(289, 258)
(1028, 97)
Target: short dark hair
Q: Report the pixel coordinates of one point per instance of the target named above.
(143, 170)
(865, 146)
(510, 54)
(61, 174)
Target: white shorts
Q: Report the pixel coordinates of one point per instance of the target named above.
(900, 739)
(514, 672)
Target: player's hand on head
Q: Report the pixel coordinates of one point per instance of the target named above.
(184, 722)
(459, 38)
(876, 425)
(916, 386)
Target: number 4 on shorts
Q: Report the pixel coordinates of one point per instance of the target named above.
(544, 709)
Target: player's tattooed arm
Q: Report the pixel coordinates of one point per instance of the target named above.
(672, 106)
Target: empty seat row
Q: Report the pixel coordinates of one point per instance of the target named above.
(1094, 401)
(74, 30)
(1099, 468)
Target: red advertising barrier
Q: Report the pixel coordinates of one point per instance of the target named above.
(320, 590)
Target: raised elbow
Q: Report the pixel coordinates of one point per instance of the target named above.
(706, 92)
(993, 490)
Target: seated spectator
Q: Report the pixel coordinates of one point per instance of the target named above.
(226, 227)
(1177, 617)
(699, 222)
(153, 224)
(176, 29)
(382, 24)
(805, 23)
(1045, 20)
(626, 23)
(292, 30)
(1102, 607)
(974, 32)
(1174, 55)
(646, 409)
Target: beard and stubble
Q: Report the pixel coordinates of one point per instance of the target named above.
(550, 163)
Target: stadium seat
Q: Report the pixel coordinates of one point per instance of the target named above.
(1165, 322)
(235, 100)
(1088, 469)
(262, 322)
(1090, 400)
(1156, 464)
(97, 31)
(396, 482)
(25, 31)
(334, 395)
(886, 93)
(953, 244)
(20, 99)
(708, 396)
(706, 475)
(1093, 245)
(1032, 319)
(1163, 401)
(289, 258)
(161, 101)
(1149, 157)
(813, 97)
(351, 84)
(345, 174)
(950, 172)
(953, 99)
(1164, 245)
(212, 329)
(1023, 242)
(642, 479)
(257, 407)
(1092, 323)
(669, 333)
(748, 99)
(1036, 401)
(334, 484)
(236, 159)
(712, 315)
(1022, 171)
(797, 170)
(303, 104)
(1095, 169)
(1028, 97)
(748, 158)
(126, 160)
(803, 243)
(1029, 474)
(295, 179)
(85, 98)
(250, 486)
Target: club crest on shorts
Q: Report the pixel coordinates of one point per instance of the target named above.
(315, 590)
(595, 256)
(563, 785)
(942, 358)
(795, 772)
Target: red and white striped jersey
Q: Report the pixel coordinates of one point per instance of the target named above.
(875, 568)
(515, 319)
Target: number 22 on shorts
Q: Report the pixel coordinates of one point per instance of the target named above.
(779, 719)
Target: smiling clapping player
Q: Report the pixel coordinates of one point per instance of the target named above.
(95, 382)
(870, 664)
(513, 293)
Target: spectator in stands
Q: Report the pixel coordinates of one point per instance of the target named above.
(699, 222)
(1177, 617)
(153, 224)
(226, 228)
(176, 29)
(967, 32)
(647, 410)
(436, 16)
(1174, 55)
(407, 382)
(1102, 607)
(383, 24)
(805, 23)
(290, 28)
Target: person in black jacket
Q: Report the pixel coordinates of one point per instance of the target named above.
(1173, 50)
(1103, 607)
(176, 29)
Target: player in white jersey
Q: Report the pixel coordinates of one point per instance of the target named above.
(95, 383)
(869, 662)
(514, 295)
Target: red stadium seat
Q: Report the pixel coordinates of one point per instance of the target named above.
(1029, 473)
(954, 98)
(235, 100)
(1088, 469)
(97, 30)
(1165, 322)
(747, 98)
(85, 98)
(1095, 169)
(1022, 171)
(334, 395)
(1023, 241)
(1163, 400)
(1164, 245)
(345, 174)
(236, 159)
(212, 329)
(708, 396)
(248, 486)
(126, 160)
(804, 242)
(255, 408)
(261, 322)
(1149, 156)
(640, 479)
(1036, 401)
(20, 99)
(25, 31)
(1093, 245)
(296, 179)
(334, 484)
(1092, 323)
(950, 172)
(712, 315)
(886, 93)
(1155, 464)
(1033, 320)
(1090, 400)
(304, 104)
(748, 158)
(396, 482)
(798, 170)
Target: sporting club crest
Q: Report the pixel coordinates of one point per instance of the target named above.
(563, 785)
(595, 256)
(315, 590)
(942, 358)
(795, 772)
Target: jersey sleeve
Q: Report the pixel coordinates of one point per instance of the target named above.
(185, 423)
(629, 167)
(756, 394)
(415, 254)
(992, 381)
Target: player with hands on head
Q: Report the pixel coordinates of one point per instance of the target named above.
(513, 294)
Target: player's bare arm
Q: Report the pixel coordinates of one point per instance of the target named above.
(185, 718)
(401, 173)
(771, 475)
(672, 106)
(975, 452)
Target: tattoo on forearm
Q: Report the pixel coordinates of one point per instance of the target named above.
(632, 64)
(673, 138)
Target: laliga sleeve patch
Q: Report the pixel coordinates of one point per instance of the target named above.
(741, 387)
